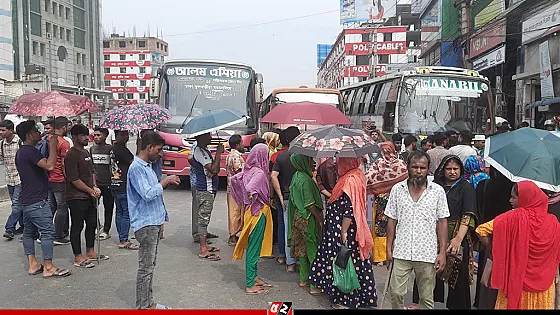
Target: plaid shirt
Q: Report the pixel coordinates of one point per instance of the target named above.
(9, 150)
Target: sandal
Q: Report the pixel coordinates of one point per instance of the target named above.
(213, 249)
(306, 284)
(211, 257)
(100, 257)
(85, 264)
(38, 271)
(318, 292)
(259, 291)
(59, 273)
(339, 307)
(129, 245)
(262, 283)
(281, 260)
(210, 235)
(291, 268)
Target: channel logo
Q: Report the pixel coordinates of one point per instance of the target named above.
(279, 308)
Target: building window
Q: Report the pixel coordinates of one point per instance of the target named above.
(165, 48)
(107, 70)
(54, 7)
(122, 44)
(387, 37)
(142, 96)
(130, 96)
(122, 57)
(142, 69)
(121, 96)
(68, 35)
(142, 82)
(47, 5)
(42, 50)
(123, 70)
(79, 18)
(85, 79)
(35, 6)
(78, 77)
(83, 60)
(157, 44)
(79, 38)
(34, 45)
(48, 27)
(142, 57)
(60, 10)
(78, 58)
(383, 59)
(123, 83)
(55, 31)
(79, 3)
(35, 21)
(106, 57)
(142, 43)
(67, 13)
(61, 32)
(107, 83)
(105, 44)
(365, 37)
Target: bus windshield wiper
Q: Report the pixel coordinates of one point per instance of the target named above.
(190, 113)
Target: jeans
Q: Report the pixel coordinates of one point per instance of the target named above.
(108, 202)
(59, 208)
(82, 210)
(148, 237)
(281, 227)
(122, 218)
(37, 219)
(16, 215)
(289, 259)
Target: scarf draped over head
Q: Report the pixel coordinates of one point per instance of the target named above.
(439, 175)
(272, 139)
(253, 180)
(525, 246)
(475, 168)
(352, 181)
(386, 171)
(303, 189)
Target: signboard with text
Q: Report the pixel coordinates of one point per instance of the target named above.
(488, 14)
(490, 59)
(538, 25)
(547, 89)
(367, 10)
(363, 71)
(488, 39)
(383, 48)
(130, 63)
(128, 76)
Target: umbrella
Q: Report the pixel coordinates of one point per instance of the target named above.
(52, 103)
(526, 154)
(135, 117)
(211, 121)
(306, 113)
(334, 141)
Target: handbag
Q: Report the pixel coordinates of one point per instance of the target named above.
(487, 273)
(345, 279)
(450, 273)
(343, 256)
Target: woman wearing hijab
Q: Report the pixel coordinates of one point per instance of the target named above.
(525, 250)
(305, 217)
(381, 177)
(250, 188)
(461, 199)
(346, 223)
(272, 141)
(475, 168)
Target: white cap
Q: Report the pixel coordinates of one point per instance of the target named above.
(479, 138)
(549, 122)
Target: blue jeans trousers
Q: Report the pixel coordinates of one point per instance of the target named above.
(122, 218)
(17, 215)
(38, 219)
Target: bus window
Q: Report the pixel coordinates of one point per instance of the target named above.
(374, 92)
(362, 103)
(382, 99)
(356, 103)
(350, 101)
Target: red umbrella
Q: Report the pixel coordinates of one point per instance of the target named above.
(306, 113)
(52, 103)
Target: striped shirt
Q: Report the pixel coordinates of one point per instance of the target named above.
(145, 195)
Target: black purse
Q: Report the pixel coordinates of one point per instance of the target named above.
(342, 256)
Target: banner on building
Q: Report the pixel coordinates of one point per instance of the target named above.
(130, 63)
(363, 71)
(547, 89)
(128, 76)
(367, 10)
(488, 39)
(491, 11)
(380, 48)
(540, 24)
(490, 59)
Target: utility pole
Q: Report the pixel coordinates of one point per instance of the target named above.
(373, 51)
(49, 81)
(464, 5)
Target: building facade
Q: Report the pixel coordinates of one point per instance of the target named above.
(130, 63)
(6, 41)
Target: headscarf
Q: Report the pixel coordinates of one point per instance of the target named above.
(386, 171)
(272, 139)
(352, 181)
(474, 170)
(253, 180)
(439, 175)
(525, 246)
(303, 189)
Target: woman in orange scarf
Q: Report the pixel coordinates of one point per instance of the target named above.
(525, 250)
(346, 223)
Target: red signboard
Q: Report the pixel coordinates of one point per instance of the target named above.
(488, 39)
(389, 29)
(383, 48)
(129, 63)
(124, 52)
(129, 89)
(363, 71)
(128, 76)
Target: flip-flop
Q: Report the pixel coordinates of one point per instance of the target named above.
(211, 257)
(161, 307)
(303, 286)
(130, 246)
(281, 260)
(59, 273)
(85, 264)
(210, 235)
(259, 291)
(316, 293)
(213, 249)
(101, 257)
(264, 285)
(339, 307)
(38, 271)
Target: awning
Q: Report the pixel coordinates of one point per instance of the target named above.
(549, 101)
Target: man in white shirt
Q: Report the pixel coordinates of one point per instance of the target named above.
(415, 209)
(464, 149)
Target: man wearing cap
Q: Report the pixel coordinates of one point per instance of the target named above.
(478, 144)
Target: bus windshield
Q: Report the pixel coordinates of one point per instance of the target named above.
(316, 97)
(437, 104)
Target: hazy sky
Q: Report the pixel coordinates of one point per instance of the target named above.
(284, 52)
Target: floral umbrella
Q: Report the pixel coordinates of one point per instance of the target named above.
(52, 103)
(334, 141)
(135, 117)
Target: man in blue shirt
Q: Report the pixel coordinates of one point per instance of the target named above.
(147, 213)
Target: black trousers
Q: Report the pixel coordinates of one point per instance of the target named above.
(82, 211)
(108, 205)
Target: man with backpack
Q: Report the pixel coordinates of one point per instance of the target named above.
(9, 145)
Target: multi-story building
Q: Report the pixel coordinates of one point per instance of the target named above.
(6, 39)
(130, 63)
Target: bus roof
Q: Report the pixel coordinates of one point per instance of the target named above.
(221, 62)
(305, 90)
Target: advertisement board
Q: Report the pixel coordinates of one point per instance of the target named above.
(430, 24)
(533, 28)
(491, 59)
(130, 63)
(487, 14)
(323, 51)
(367, 10)
(547, 89)
(488, 39)
(383, 48)
(363, 71)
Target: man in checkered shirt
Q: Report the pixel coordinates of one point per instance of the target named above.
(8, 147)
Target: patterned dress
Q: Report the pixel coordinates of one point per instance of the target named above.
(321, 270)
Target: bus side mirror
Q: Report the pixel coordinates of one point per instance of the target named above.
(259, 89)
(155, 87)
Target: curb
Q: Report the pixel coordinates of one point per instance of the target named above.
(4, 194)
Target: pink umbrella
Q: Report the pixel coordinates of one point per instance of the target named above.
(52, 103)
(306, 113)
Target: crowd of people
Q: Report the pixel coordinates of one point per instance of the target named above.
(410, 208)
